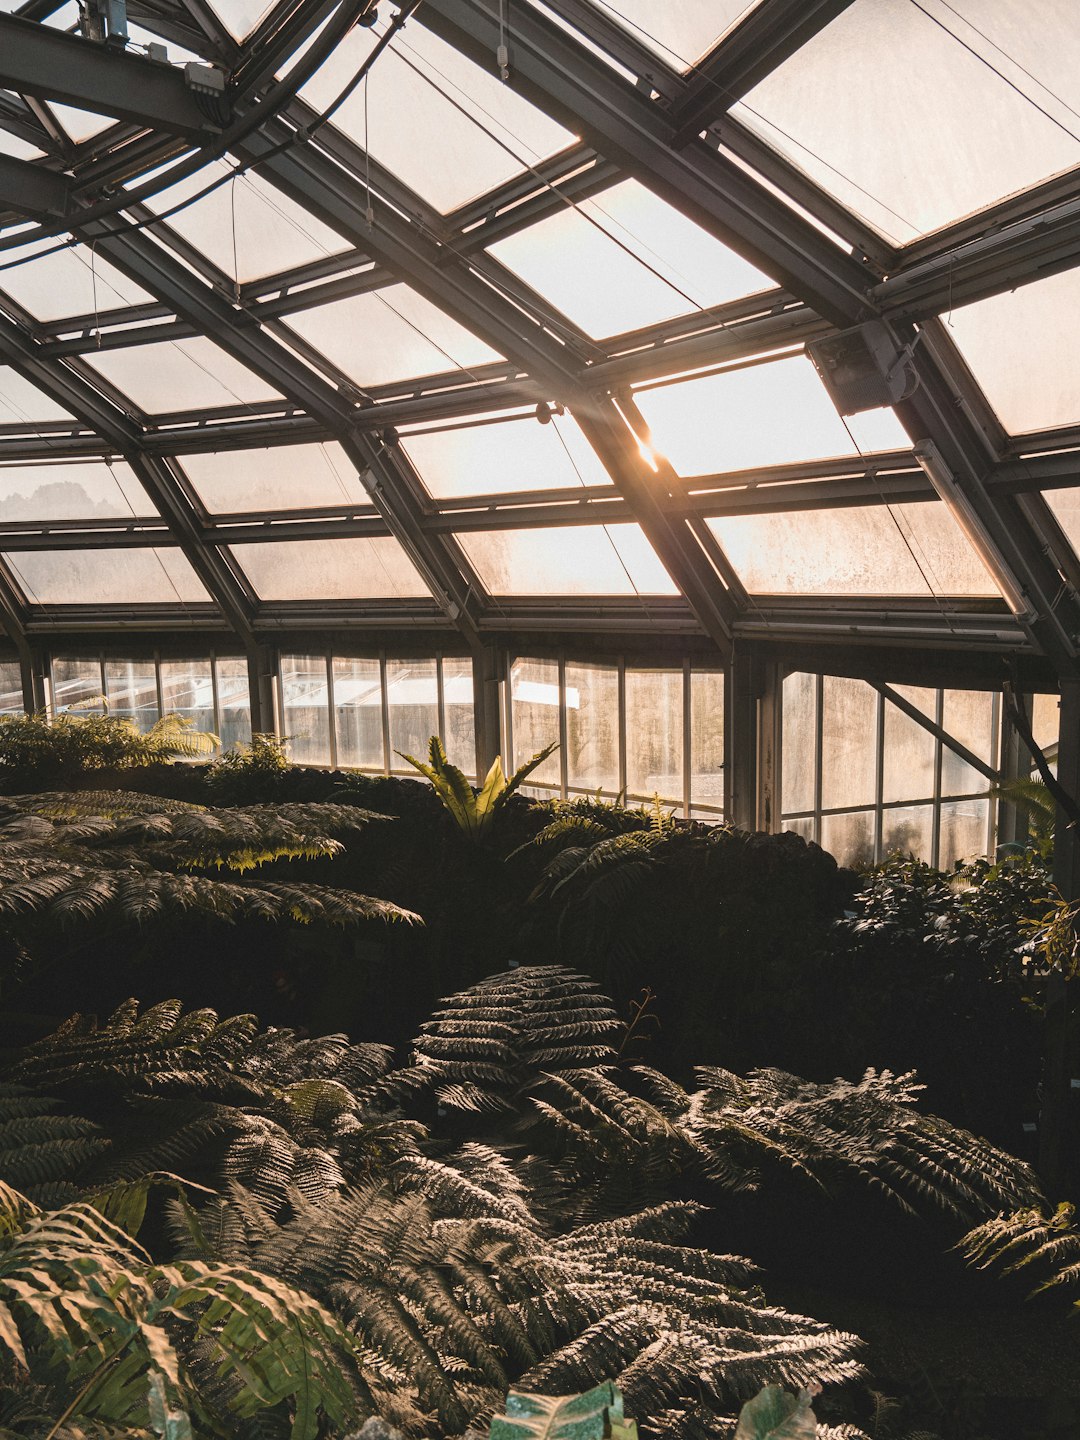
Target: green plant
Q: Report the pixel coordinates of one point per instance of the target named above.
(249, 774)
(474, 811)
(1033, 799)
(595, 1415)
(37, 752)
(1044, 1248)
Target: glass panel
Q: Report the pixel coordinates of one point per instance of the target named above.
(283, 478)
(1044, 720)
(71, 492)
(423, 112)
(460, 737)
(24, 404)
(80, 124)
(567, 560)
(76, 685)
(234, 705)
(969, 717)
(680, 31)
(850, 838)
(246, 227)
(654, 735)
(11, 695)
(389, 335)
(358, 713)
(99, 577)
(848, 743)
(636, 261)
(71, 282)
(505, 457)
(131, 690)
(771, 414)
(187, 689)
(1066, 506)
(592, 727)
(534, 702)
(908, 831)
(412, 694)
(963, 831)
(241, 16)
(1026, 361)
(356, 568)
(913, 116)
(306, 708)
(805, 828)
(863, 550)
(180, 375)
(909, 753)
(799, 742)
(707, 739)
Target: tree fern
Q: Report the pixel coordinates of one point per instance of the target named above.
(1028, 1243)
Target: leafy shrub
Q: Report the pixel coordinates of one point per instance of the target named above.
(255, 774)
(39, 753)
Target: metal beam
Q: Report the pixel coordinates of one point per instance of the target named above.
(38, 60)
(939, 733)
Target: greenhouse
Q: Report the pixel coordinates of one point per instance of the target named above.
(653, 425)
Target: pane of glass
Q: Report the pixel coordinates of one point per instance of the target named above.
(11, 696)
(848, 743)
(707, 739)
(1025, 359)
(131, 690)
(424, 111)
(913, 116)
(908, 760)
(1066, 506)
(80, 124)
(963, 831)
(24, 404)
(180, 375)
(1044, 720)
(306, 708)
(771, 414)
(388, 335)
(636, 261)
(849, 838)
(680, 31)
(863, 550)
(71, 492)
(358, 713)
(534, 702)
(505, 457)
(76, 685)
(412, 693)
(241, 16)
(460, 737)
(187, 689)
(805, 827)
(245, 226)
(286, 477)
(356, 568)
(234, 706)
(969, 717)
(799, 742)
(567, 560)
(71, 282)
(908, 831)
(99, 577)
(654, 735)
(592, 727)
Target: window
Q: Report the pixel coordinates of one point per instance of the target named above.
(209, 690)
(11, 691)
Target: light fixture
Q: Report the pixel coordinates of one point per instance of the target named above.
(974, 529)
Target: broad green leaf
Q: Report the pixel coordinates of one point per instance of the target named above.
(776, 1414)
(594, 1415)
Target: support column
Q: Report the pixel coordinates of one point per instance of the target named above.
(262, 690)
(488, 670)
(740, 744)
(769, 745)
(34, 671)
(1012, 827)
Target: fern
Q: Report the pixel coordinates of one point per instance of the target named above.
(474, 812)
(1045, 1249)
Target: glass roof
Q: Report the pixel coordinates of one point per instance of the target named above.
(287, 477)
(22, 403)
(180, 375)
(567, 560)
(101, 577)
(916, 114)
(73, 281)
(71, 492)
(680, 31)
(356, 568)
(505, 456)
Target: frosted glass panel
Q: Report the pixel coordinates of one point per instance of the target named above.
(707, 738)
(241, 16)
(915, 115)
(866, 550)
(71, 492)
(412, 694)
(534, 700)
(76, 685)
(578, 260)
(1044, 720)
(1025, 359)
(187, 689)
(104, 577)
(805, 828)
(969, 717)
(71, 282)
(908, 759)
(568, 560)
(763, 415)
(459, 735)
(654, 734)
(181, 375)
(592, 727)
(507, 456)
(356, 568)
(358, 713)
(850, 838)
(388, 335)
(963, 831)
(283, 478)
(849, 743)
(680, 31)
(1066, 506)
(131, 690)
(234, 705)
(799, 741)
(22, 403)
(11, 697)
(306, 708)
(908, 830)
